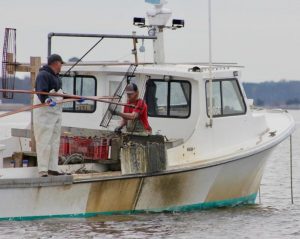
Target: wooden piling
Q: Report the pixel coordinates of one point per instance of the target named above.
(35, 65)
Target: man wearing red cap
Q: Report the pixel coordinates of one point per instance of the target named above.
(135, 119)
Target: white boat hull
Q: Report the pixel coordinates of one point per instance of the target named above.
(226, 184)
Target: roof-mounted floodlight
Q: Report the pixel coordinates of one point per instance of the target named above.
(177, 23)
(139, 21)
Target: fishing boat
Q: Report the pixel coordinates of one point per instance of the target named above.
(209, 146)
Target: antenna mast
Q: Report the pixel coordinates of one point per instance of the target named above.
(210, 66)
(158, 18)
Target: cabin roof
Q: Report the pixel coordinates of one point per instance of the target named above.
(172, 69)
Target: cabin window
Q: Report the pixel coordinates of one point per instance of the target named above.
(80, 85)
(227, 98)
(168, 98)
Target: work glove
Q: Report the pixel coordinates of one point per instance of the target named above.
(81, 100)
(118, 130)
(113, 111)
(50, 102)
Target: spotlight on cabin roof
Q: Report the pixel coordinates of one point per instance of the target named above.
(139, 21)
(177, 23)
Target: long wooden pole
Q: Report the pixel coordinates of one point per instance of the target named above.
(78, 97)
(32, 107)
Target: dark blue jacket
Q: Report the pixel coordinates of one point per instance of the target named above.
(46, 81)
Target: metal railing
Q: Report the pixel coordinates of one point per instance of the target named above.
(104, 36)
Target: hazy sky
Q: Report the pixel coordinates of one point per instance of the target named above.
(262, 35)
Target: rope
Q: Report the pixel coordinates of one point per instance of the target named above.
(75, 158)
(81, 58)
(291, 169)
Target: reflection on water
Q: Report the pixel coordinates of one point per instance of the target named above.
(274, 218)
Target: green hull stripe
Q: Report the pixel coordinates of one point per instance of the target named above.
(200, 206)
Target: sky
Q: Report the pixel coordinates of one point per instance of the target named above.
(262, 35)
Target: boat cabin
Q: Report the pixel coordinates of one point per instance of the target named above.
(177, 99)
(196, 108)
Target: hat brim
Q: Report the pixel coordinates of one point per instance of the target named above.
(130, 91)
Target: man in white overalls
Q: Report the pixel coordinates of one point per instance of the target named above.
(47, 120)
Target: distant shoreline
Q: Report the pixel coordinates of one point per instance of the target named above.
(292, 107)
